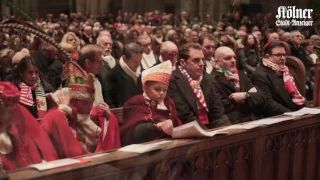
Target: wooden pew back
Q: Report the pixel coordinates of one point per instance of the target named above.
(118, 112)
(316, 89)
(298, 67)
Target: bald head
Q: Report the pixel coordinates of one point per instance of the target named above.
(167, 46)
(274, 37)
(169, 51)
(285, 36)
(226, 58)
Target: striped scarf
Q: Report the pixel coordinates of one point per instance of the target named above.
(232, 77)
(195, 85)
(288, 80)
(27, 99)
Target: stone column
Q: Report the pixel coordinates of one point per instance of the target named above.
(92, 6)
(5, 11)
(191, 6)
(81, 6)
(104, 6)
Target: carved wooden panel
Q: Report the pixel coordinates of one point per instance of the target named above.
(299, 154)
(269, 159)
(291, 155)
(312, 149)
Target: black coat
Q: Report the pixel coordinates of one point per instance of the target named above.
(249, 60)
(121, 87)
(186, 101)
(238, 112)
(103, 78)
(278, 99)
(54, 74)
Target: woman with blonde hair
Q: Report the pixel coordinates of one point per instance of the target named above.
(72, 39)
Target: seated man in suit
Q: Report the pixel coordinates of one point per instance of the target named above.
(279, 85)
(105, 42)
(193, 91)
(124, 80)
(239, 97)
(151, 115)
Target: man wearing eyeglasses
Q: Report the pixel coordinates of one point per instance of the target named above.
(277, 83)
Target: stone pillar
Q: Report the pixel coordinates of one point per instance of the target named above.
(104, 6)
(191, 6)
(81, 6)
(5, 11)
(92, 6)
(129, 6)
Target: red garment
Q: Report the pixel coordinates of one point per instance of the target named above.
(31, 143)
(112, 137)
(268, 42)
(139, 109)
(203, 116)
(75, 55)
(55, 124)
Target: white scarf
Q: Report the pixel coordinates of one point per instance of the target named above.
(209, 65)
(5, 143)
(160, 105)
(109, 60)
(91, 130)
(148, 60)
(128, 71)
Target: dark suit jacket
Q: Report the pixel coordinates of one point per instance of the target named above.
(121, 87)
(278, 100)
(186, 101)
(103, 78)
(238, 112)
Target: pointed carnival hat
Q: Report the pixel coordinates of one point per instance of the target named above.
(9, 94)
(80, 83)
(159, 73)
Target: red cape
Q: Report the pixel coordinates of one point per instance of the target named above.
(31, 143)
(112, 137)
(55, 124)
(136, 110)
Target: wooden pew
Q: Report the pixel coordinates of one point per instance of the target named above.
(284, 151)
(118, 112)
(316, 90)
(298, 67)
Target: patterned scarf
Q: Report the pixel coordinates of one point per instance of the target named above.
(195, 85)
(232, 77)
(288, 80)
(27, 99)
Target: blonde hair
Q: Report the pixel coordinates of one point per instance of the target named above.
(67, 46)
(65, 37)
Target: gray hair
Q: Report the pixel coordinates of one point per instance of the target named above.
(132, 48)
(142, 37)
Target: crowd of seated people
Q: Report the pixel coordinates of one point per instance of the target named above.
(163, 72)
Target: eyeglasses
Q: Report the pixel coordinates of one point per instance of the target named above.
(279, 55)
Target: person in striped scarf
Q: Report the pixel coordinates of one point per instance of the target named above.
(239, 97)
(193, 91)
(32, 87)
(278, 83)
